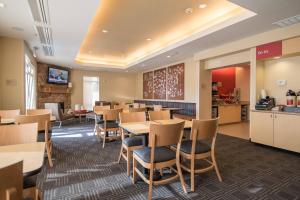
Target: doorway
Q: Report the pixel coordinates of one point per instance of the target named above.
(231, 99)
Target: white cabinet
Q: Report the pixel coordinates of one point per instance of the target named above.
(287, 132)
(278, 130)
(261, 128)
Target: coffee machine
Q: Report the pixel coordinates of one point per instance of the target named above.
(265, 103)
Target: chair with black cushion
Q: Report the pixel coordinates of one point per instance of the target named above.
(44, 130)
(130, 143)
(11, 179)
(159, 115)
(110, 125)
(158, 155)
(201, 146)
(99, 116)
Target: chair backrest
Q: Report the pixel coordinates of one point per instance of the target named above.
(18, 134)
(132, 117)
(9, 113)
(101, 108)
(137, 109)
(42, 120)
(136, 105)
(38, 111)
(55, 109)
(11, 184)
(124, 107)
(142, 105)
(165, 134)
(112, 114)
(157, 107)
(204, 130)
(159, 115)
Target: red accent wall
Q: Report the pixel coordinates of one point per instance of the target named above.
(227, 77)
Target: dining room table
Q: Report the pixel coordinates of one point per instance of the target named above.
(8, 121)
(172, 110)
(32, 155)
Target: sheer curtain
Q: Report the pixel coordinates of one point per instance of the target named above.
(90, 91)
(30, 84)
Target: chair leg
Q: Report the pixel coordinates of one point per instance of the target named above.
(49, 155)
(161, 172)
(180, 175)
(192, 174)
(104, 138)
(134, 165)
(60, 122)
(36, 194)
(150, 183)
(216, 166)
(128, 162)
(120, 155)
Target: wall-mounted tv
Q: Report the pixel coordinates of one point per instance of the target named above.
(58, 76)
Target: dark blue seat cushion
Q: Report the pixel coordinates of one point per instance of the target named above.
(41, 136)
(161, 154)
(133, 141)
(201, 147)
(110, 124)
(29, 182)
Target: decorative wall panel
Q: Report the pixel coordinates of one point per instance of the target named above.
(175, 82)
(159, 84)
(148, 85)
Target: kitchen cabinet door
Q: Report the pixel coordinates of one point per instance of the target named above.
(287, 132)
(261, 128)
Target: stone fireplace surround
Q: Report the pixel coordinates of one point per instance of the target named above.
(51, 93)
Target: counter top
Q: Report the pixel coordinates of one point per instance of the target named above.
(233, 104)
(276, 112)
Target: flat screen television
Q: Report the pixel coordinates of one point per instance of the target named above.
(58, 76)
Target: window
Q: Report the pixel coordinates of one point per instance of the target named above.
(90, 91)
(30, 84)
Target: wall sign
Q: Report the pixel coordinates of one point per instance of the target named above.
(269, 50)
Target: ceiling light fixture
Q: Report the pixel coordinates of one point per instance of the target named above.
(148, 39)
(203, 5)
(168, 56)
(2, 5)
(188, 11)
(104, 31)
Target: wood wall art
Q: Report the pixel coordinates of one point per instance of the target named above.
(175, 82)
(148, 85)
(159, 84)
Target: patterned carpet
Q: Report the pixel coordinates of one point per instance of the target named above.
(84, 170)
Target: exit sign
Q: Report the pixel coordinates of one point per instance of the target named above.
(269, 50)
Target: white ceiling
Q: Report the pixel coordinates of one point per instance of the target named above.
(70, 20)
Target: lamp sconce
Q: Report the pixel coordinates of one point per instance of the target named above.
(70, 85)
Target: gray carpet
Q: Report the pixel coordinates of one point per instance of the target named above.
(84, 170)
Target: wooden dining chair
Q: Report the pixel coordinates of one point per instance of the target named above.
(99, 117)
(137, 109)
(157, 107)
(21, 134)
(136, 105)
(18, 134)
(159, 115)
(38, 111)
(130, 143)
(110, 124)
(201, 146)
(11, 181)
(9, 113)
(158, 155)
(44, 130)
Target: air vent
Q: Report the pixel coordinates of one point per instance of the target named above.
(288, 21)
(48, 51)
(41, 17)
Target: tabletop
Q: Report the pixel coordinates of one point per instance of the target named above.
(143, 127)
(32, 155)
(6, 121)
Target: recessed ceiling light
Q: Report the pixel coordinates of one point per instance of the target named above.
(203, 5)
(188, 11)
(104, 31)
(168, 56)
(148, 39)
(2, 5)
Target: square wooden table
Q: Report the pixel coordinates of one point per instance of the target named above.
(32, 155)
